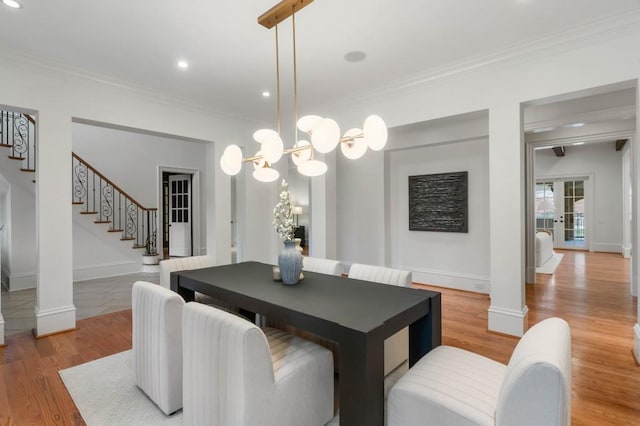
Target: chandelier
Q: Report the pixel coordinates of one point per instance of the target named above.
(323, 133)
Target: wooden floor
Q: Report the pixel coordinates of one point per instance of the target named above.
(590, 291)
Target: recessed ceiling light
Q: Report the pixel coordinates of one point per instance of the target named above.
(575, 125)
(183, 64)
(355, 56)
(266, 94)
(12, 3)
(577, 143)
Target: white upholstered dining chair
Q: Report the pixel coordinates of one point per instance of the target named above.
(238, 374)
(322, 266)
(452, 386)
(396, 347)
(174, 264)
(157, 344)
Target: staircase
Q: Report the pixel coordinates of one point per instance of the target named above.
(18, 133)
(97, 195)
(110, 205)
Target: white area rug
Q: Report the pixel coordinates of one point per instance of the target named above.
(549, 267)
(105, 393)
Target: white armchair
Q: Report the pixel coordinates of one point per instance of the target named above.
(396, 347)
(237, 374)
(451, 386)
(157, 344)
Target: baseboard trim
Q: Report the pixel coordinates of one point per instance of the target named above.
(626, 252)
(636, 342)
(454, 280)
(607, 248)
(508, 321)
(91, 272)
(55, 320)
(23, 281)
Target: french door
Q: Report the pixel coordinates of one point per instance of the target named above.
(180, 215)
(560, 211)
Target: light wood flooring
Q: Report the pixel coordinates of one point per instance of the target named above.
(589, 290)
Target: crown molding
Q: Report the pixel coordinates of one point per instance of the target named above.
(616, 113)
(583, 34)
(19, 58)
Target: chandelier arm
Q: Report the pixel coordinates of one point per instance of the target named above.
(349, 139)
(296, 149)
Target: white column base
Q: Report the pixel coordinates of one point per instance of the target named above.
(636, 343)
(55, 320)
(508, 321)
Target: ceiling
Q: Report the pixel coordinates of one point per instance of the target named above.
(232, 58)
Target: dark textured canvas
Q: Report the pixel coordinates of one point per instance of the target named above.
(438, 202)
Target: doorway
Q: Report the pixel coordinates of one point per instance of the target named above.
(560, 211)
(179, 209)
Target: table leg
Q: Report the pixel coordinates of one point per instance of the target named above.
(426, 333)
(187, 295)
(361, 382)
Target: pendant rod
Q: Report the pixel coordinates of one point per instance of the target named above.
(295, 78)
(278, 79)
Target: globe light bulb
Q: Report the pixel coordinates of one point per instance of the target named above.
(306, 123)
(231, 160)
(355, 148)
(300, 157)
(312, 168)
(375, 132)
(325, 135)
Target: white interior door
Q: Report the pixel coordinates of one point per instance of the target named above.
(560, 209)
(180, 215)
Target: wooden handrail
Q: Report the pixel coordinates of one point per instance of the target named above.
(116, 187)
(30, 118)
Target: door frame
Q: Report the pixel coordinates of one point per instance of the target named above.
(588, 179)
(530, 189)
(195, 206)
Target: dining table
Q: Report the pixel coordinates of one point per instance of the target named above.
(357, 315)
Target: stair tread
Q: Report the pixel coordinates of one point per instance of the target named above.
(115, 230)
(77, 203)
(6, 145)
(16, 158)
(127, 239)
(137, 247)
(102, 221)
(28, 170)
(88, 212)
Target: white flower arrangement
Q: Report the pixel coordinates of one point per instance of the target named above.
(282, 216)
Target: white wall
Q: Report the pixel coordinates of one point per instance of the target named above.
(501, 84)
(19, 245)
(57, 98)
(457, 260)
(132, 159)
(605, 163)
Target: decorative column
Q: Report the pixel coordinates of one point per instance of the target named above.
(322, 215)
(218, 206)
(54, 309)
(635, 228)
(508, 311)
